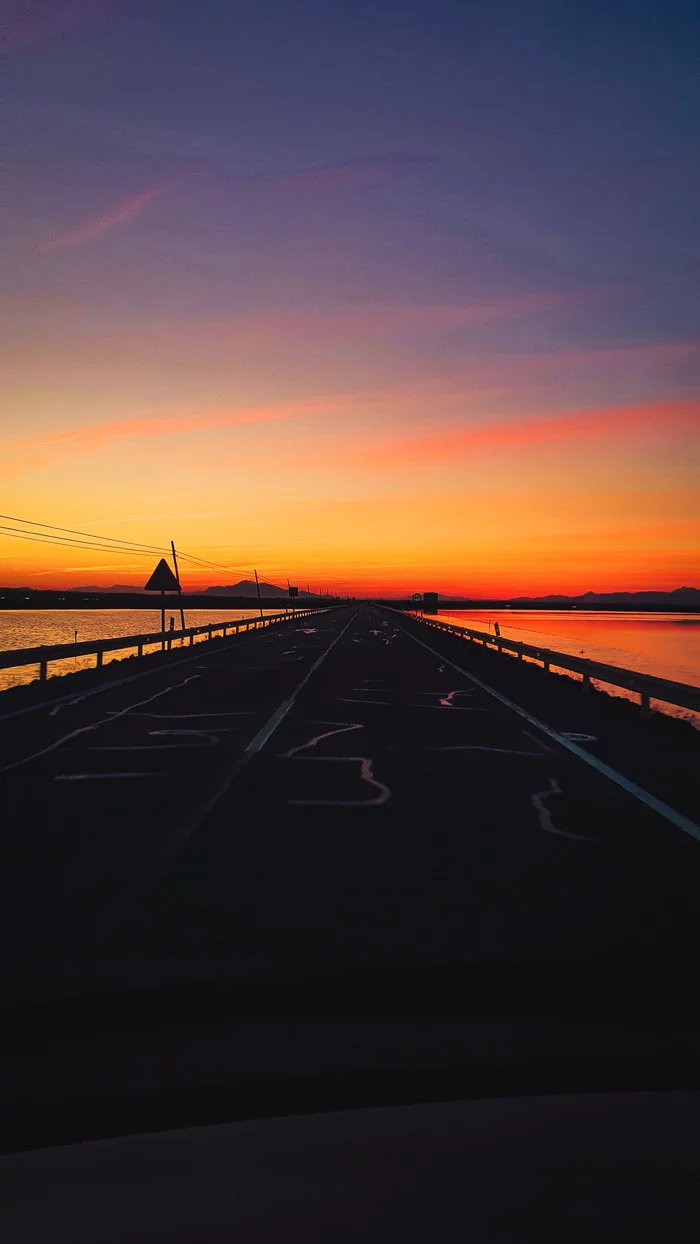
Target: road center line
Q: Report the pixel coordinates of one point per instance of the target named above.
(256, 745)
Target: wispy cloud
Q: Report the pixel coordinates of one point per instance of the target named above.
(574, 425)
(126, 210)
(97, 435)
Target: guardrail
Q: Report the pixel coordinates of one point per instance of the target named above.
(645, 685)
(59, 652)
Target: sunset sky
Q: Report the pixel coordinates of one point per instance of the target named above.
(381, 296)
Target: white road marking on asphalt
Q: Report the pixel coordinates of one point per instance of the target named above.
(544, 815)
(657, 805)
(73, 734)
(579, 738)
(478, 747)
(366, 775)
(192, 716)
(342, 729)
(210, 739)
(96, 777)
(257, 742)
(344, 699)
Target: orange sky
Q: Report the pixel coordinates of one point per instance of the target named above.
(396, 488)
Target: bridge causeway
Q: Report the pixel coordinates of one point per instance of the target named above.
(346, 787)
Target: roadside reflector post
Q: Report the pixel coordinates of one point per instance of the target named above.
(42, 670)
(586, 682)
(98, 658)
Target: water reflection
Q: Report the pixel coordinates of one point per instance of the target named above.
(29, 628)
(666, 645)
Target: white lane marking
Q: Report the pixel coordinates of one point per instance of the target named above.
(579, 738)
(193, 716)
(344, 699)
(73, 734)
(366, 775)
(478, 747)
(256, 744)
(657, 805)
(211, 739)
(342, 728)
(544, 815)
(98, 777)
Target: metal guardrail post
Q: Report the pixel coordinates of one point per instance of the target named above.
(98, 658)
(42, 670)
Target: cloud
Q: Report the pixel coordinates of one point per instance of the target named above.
(509, 433)
(126, 210)
(97, 435)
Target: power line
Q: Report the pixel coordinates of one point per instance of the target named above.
(85, 540)
(31, 522)
(62, 543)
(104, 544)
(100, 543)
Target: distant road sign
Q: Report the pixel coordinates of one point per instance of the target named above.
(416, 597)
(162, 579)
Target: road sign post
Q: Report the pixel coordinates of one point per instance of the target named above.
(162, 580)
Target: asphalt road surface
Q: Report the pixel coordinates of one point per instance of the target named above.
(328, 794)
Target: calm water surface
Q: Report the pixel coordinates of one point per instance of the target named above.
(28, 628)
(664, 644)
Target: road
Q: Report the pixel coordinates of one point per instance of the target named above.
(329, 794)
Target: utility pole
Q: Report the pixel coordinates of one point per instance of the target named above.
(257, 584)
(179, 589)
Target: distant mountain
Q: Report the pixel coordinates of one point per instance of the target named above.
(124, 588)
(246, 587)
(679, 596)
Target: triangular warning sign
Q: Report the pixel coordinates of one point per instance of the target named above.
(162, 579)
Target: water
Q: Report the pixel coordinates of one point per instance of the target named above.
(28, 628)
(666, 645)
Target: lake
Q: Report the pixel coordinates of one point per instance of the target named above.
(664, 644)
(28, 628)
